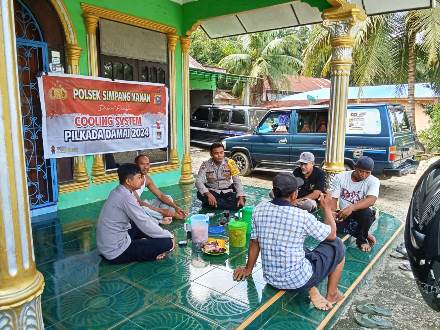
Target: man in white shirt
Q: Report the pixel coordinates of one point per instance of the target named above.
(162, 208)
(279, 229)
(124, 232)
(356, 191)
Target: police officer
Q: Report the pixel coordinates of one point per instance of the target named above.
(218, 181)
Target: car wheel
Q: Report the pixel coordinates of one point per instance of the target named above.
(243, 162)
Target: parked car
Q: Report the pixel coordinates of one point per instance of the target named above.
(213, 123)
(380, 131)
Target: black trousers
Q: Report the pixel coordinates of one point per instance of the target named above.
(357, 225)
(225, 201)
(142, 247)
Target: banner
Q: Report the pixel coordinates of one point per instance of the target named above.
(85, 115)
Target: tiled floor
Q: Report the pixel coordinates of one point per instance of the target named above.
(188, 290)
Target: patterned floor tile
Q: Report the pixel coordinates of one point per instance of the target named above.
(252, 292)
(64, 306)
(220, 308)
(92, 318)
(217, 279)
(283, 320)
(187, 290)
(167, 316)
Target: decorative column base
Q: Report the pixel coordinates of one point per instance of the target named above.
(186, 177)
(333, 168)
(79, 170)
(22, 309)
(98, 169)
(174, 158)
(27, 316)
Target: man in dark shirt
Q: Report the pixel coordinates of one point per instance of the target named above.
(314, 182)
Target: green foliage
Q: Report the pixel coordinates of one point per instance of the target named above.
(431, 136)
(210, 51)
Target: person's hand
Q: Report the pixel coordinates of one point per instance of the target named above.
(211, 200)
(179, 216)
(167, 213)
(325, 201)
(181, 213)
(166, 220)
(241, 273)
(241, 202)
(174, 244)
(345, 212)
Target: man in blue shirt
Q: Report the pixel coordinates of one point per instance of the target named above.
(279, 230)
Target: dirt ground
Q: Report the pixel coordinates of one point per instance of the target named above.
(386, 284)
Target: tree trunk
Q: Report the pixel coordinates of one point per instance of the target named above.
(411, 109)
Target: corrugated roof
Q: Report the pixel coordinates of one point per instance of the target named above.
(422, 90)
(299, 84)
(193, 64)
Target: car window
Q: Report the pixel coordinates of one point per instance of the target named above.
(363, 121)
(201, 114)
(312, 122)
(275, 123)
(255, 117)
(399, 121)
(220, 116)
(238, 117)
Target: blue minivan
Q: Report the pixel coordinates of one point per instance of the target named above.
(380, 131)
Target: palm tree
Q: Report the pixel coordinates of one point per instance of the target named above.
(388, 49)
(422, 32)
(266, 56)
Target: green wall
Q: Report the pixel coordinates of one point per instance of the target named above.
(165, 12)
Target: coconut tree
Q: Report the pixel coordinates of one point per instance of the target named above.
(422, 35)
(266, 56)
(372, 53)
(388, 49)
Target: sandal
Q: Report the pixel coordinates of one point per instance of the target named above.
(371, 321)
(398, 255)
(401, 249)
(372, 309)
(405, 266)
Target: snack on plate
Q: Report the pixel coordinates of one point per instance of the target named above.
(213, 247)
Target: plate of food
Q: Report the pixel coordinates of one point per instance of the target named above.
(215, 246)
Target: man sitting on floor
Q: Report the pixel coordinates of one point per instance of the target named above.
(162, 208)
(279, 230)
(356, 191)
(314, 182)
(218, 181)
(124, 232)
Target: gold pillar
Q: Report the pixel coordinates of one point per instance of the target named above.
(21, 284)
(342, 21)
(91, 21)
(186, 176)
(172, 41)
(73, 54)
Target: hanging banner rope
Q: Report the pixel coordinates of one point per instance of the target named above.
(89, 115)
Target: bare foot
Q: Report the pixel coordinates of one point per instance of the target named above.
(161, 256)
(166, 220)
(335, 298)
(366, 247)
(371, 239)
(318, 300)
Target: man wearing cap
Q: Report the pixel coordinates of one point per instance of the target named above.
(278, 232)
(314, 182)
(218, 181)
(356, 191)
